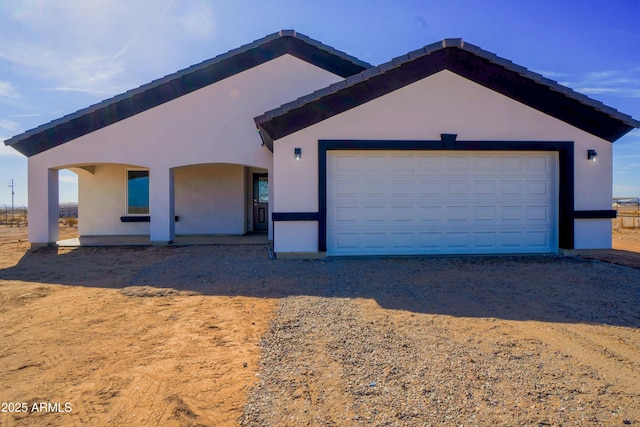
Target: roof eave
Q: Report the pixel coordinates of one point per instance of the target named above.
(181, 83)
(530, 88)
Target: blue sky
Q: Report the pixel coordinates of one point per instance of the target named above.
(60, 56)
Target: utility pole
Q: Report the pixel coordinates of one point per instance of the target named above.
(12, 194)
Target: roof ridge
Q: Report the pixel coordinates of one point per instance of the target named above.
(458, 43)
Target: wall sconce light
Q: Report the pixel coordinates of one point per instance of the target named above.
(592, 155)
(297, 153)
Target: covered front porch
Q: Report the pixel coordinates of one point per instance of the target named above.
(130, 205)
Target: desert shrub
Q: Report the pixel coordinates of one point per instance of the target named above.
(70, 222)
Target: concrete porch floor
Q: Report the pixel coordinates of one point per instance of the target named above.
(94, 241)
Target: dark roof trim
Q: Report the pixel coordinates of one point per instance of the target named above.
(183, 82)
(461, 58)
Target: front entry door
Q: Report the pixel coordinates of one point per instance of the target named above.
(260, 202)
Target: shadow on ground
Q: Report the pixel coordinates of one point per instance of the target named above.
(544, 288)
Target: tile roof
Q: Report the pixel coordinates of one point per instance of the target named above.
(174, 85)
(490, 70)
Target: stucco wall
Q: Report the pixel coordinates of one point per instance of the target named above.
(592, 233)
(210, 199)
(102, 201)
(441, 103)
(211, 125)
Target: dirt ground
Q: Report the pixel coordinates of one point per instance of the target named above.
(70, 333)
(173, 336)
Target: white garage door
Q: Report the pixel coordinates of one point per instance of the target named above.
(441, 202)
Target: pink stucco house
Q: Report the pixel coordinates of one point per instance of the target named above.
(449, 149)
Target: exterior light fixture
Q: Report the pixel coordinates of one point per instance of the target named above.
(297, 153)
(592, 155)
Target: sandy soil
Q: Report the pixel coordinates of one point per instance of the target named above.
(169, 336)
(71, 332)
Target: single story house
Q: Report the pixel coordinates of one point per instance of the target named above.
(449, 149)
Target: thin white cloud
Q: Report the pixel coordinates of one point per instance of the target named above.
(9, 125)
(600, 75)
(623, 83)
(25, 115)
(7, 151)
(78, 89)
(198, 19)
(7, 90)
(101, 48)
(624, 92)
(597, 90)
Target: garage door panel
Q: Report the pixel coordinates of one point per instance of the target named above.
(403, 241)
(348, 188)
(460, 163)
(457, 239)
(538, 214)
(511, 213)
(538, 188)
(429, 163)
(537, 163)
(346, 241)
(430, 214)
(511, 239)
(457, 214)
(484, 187)
(484, 214)
(511, 188)
(485, 163)
(458, 188)
(374, 214)
(402, 188)
(373, 240)
(375, 187)
(401, 163)
(402, 214)
(511, 163)
(441, 202)
(374, 163)
(538, 239)
(347, 215)
(431, 187)
(484, 240)
(346, 163)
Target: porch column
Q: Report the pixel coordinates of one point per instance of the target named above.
(43, 206)
(270, 207)
(161, 206)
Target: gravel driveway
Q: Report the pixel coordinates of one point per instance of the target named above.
(536, 340)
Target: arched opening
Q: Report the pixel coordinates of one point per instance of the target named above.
(106, 192)
(220, 199)
(68, 203)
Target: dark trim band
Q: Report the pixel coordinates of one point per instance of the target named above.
(295, 216)
(140, 218)
(564, 149)
(601, 214)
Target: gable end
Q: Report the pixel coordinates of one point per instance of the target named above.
(182, 83)
(464, 59)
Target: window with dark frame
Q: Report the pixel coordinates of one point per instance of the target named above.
(137, 192)
(263, 189)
